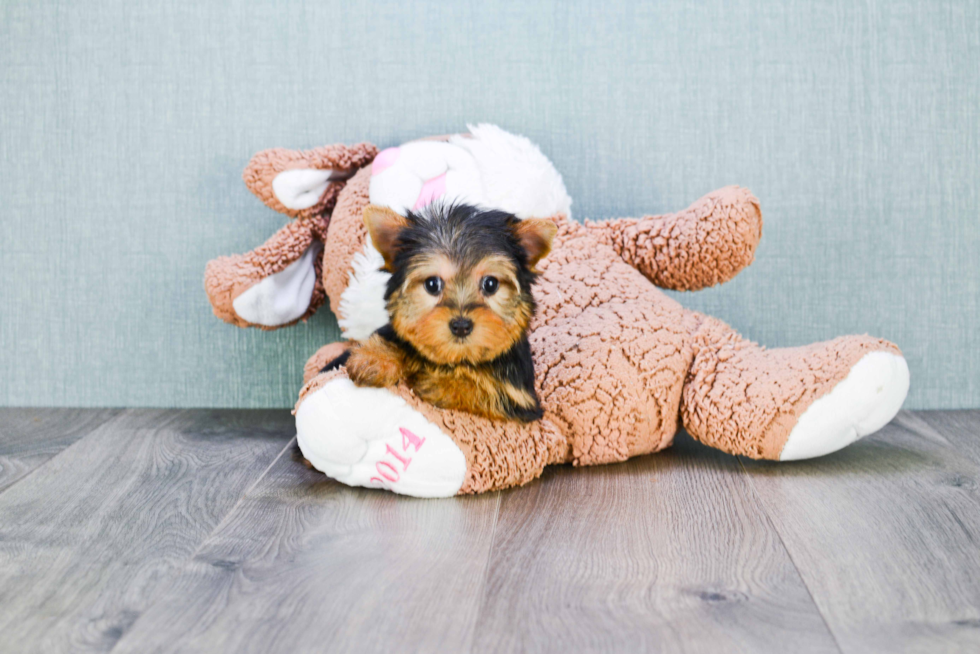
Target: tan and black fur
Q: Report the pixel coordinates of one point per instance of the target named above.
(459, 302)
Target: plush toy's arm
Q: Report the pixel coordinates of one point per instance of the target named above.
(274, 285)
(279, 283)
(706, 244)
(304, 183)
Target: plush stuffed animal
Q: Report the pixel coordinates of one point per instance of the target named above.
(619, 365)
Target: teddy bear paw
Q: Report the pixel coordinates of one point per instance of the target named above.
(371, 437)
(861, 404)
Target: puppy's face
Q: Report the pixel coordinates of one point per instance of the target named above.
(454, 311)
(460, 286)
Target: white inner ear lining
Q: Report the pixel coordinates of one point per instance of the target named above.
(284, 296)
(301, 188)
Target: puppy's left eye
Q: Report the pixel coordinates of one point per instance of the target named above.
(489, 285)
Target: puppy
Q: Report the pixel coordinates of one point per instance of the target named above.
(459, 303)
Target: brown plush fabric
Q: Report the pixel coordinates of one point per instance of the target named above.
(619, 364)
(609, 351)
(706, 244)
(346, 236)
(264, 166)
(225, 278)
(321, 358)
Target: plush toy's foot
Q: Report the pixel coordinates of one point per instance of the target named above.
(371, 437)
(274, 285)
(864, 402)
(789, 403)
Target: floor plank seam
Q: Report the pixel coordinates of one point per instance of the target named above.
(241, 498)
(789, 554)
(32, 472)
(908, 420)
(486, 572)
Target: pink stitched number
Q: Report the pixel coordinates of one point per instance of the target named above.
(390, 467)
(405, 461)
(408, 438)
(392, 474)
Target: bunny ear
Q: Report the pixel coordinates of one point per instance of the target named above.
(302, 183)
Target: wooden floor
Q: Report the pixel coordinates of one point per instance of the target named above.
(200, 531)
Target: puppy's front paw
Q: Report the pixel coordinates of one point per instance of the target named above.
(369, 366)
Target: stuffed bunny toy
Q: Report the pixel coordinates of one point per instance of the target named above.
(619, 365)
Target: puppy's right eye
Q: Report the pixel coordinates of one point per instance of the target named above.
(489, 285)
(433, 286)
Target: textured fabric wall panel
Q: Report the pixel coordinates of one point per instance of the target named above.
(124, 127)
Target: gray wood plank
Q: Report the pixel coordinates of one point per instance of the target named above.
(29, 437)
(665, 553)
(961, 429)
(88, 538)
(886, 534)
(306, 564)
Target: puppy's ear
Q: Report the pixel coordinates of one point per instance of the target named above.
(384, 226)
(535, 236)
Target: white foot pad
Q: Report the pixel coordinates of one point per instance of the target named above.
(864, 402)
(371, 437)
(281, 297)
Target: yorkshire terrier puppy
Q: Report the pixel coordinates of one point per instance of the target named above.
(459, 303)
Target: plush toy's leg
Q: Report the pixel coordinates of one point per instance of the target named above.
(321, 358)
(790, 403)
(387, 438)
(371, 437)
(274, 285)
(706, 244)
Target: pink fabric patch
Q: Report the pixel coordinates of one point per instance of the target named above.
(384, 160)
(431, 190)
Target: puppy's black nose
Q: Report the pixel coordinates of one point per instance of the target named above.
(460, 327)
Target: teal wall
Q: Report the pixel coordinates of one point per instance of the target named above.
(124, 127)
